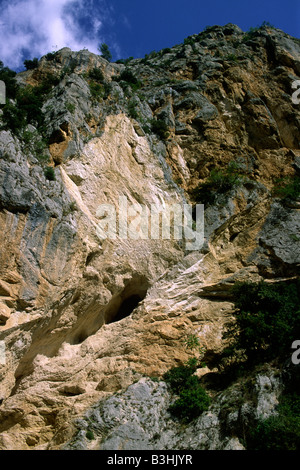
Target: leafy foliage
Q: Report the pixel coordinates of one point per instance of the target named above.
(97, 90)
(288, 188)
(49, 173)
(193, 399)
(105, 52)
(31, 64)
(267, 319)
(253, 31)
(96, 74)
(280, 431)
(159, 127)
(128, 79)
(27, 108)
(8, 77)
(218, 182)
(178, 376)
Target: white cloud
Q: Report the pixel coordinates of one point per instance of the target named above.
(35, 27)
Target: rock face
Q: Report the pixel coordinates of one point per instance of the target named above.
(138, 419)
(83, 316)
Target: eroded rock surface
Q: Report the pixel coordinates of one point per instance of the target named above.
(83, 317)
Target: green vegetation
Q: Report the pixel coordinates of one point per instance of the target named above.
(90, 435)
(160, 128)
(132, 110)
(71, 107)
(34, 143)
(282, 430)
(125, 61)
(49, 173)
(128, 79)
(252, 32)
(31, 64)
(193, 399)
(96, 74)
(28, 102)
(287, 188)
(8, 77)
(218, 182)
(105, 52)
(50, 56)
(97, 90)
(231, 58)
(267, 320)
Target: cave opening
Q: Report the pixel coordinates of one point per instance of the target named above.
(127, 307)
(125, 303)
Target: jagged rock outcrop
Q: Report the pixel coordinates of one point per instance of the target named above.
(222, 96)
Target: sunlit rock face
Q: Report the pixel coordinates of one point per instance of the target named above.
(83, 315)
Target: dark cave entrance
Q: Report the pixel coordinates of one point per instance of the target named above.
(127, 307)
(128, 300)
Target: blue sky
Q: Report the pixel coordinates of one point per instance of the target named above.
(31, 28)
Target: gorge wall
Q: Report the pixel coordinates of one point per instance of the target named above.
(84, 318)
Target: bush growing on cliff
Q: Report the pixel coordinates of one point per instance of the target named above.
(288, 188)
(31, 64)
(8, 77)
(49, 173)
(280, 431)
(128, 79)
(218, 182)
(27, 108)
(96, 74)
(160, 128)
(267, 319)
(193, 399)
(105, 52)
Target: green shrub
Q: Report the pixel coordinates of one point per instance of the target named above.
(177, 376)
(218, 182)
(35, 144)
(125, 61)
(31, 64)
(267, 319)
(50, 56)
(129, 79)
(160, 128)
(97, 90)
(49, 173)
(281, 431)
(105, 52)
(28, 107)
(30, 100)
(132, 110)
(287, 188)
(13, 117)
(252, 32)
(193, 399)
(90, 435)
(96, 74)
(8, 77)
(71, 107)
(231, 58)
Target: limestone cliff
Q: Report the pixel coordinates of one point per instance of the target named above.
(83, 318)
